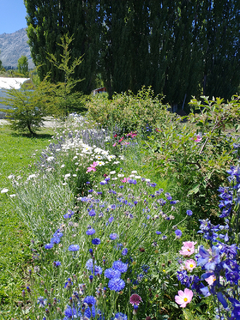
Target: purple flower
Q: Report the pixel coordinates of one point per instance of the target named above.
(56, 263)
(89, 264)
(116, 284)
(90, 232)
(208, 260)
(120, 266)
(90, 301)
(158, 232)
(112, 273)
(68, 214)
(92, 213)
(73, 247)
(49, 246)
(96, 241)
(70, 312)
(120, 316)
(113, 236)
(125, 251)
(178, 233)
(111, 219)
(189, 212)
(55, 240)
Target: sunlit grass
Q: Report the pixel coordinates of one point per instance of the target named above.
(16, 155)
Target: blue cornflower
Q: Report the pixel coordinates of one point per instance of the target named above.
(125, 251)
(42, 302)
(111, 219)
(120, 316)
(90, 301)
(92, 213)
(158, 232)
(96, 241)
(91, 190)
(120, 266)
(112, 273)
(48, 246)
(56, 263)
(145, 268)
(189, 212)
(73, 247)
(70, 312)
(113, 236)
(89, 264)
(55, 240)
(97, 270)
(68, 214)
(90, 232)
(116, 284)
(90, 313)
(178, 233)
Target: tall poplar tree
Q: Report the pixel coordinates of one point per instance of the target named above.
(49, 20)
(221, 48)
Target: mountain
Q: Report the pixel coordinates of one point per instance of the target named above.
(13, 46)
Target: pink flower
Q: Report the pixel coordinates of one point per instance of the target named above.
(184, 297)
(135, 299)
(115, 136)
(190, 265)
(197, 138)
(187, 248)
(114, 145)
(92, 167)
(121, 139)
(210, 279)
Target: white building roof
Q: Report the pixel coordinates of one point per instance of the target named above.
(9, 83)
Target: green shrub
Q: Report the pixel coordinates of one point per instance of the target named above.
(195, 154)
(27, 111)
(127, 111)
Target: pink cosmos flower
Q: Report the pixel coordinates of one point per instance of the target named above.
(197, 138)
(190, 265)
(114, 145)
(187, 248)
(184, 297)
(92, 167)
(135, 299)
(121, 139)
(210, 280)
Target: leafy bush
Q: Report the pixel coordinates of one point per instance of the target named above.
(27, 111)
(196, 153)
(127, 111)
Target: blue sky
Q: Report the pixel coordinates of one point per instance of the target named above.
(12, 16)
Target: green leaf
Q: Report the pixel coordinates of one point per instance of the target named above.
(194, 190)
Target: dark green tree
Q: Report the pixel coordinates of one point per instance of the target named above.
(48, 21)
(221, 47)
(23, 65)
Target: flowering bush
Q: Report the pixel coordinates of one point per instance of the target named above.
(216, 270)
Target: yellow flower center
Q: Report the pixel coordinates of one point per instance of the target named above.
(191, 265)
(185, 299)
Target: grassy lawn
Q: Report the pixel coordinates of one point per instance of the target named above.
(16, 155)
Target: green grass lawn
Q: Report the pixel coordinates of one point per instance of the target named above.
(16, 155)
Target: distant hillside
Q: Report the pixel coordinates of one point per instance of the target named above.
(13, 46)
